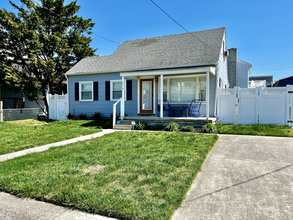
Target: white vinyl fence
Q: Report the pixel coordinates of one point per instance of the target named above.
(272, 105)
(58, 107)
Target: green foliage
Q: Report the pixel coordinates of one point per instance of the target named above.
(82, 116)
(172, 126)
(209, 128)
(140, 125)
(187, 128)
(97, 116)
(39, 44)
(69, 116)
(158, 127)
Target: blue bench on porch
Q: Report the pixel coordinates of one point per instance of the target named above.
(179, 110)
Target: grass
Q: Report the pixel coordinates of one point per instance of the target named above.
(20, 135)
(259, 130)
(126, 175)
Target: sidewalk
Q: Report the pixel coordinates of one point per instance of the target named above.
(57, 144)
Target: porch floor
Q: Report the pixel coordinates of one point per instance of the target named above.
(183, 121)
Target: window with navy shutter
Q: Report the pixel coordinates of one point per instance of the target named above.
(76, 85)
(129, 89)
(107, 90)
(96, 91)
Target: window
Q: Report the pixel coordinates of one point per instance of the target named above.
(116, 90)
(86, 91)
(202, 88)
(183, 90)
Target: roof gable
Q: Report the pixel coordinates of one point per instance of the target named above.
(179, 50)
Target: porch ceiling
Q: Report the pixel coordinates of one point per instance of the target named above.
(134, 75)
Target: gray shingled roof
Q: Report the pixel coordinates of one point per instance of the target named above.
(177, 50)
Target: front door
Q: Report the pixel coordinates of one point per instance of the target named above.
(146, 96)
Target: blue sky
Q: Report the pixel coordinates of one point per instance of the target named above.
(261, 30)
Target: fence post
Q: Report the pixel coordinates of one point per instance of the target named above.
(236, 97)
(1, 110)
(260, 105)
(56, 106)
(288, 105)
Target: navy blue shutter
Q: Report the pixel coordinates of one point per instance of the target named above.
(107, 91)
(129, 90)
(76, 91)
(96, 91)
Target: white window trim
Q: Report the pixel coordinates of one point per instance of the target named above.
(196, 93)
(111, 90)
(86, 100)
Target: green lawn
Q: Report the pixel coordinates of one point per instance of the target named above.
(126, 175)
(260, 130)
(20, 135)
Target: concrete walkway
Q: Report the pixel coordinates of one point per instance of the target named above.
(57, 144)
(244, 177)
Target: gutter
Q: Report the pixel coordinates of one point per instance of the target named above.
(144, 69)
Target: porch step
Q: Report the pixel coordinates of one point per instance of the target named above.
(125, 122)
(123, 127)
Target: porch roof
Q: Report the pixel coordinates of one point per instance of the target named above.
(201, 48)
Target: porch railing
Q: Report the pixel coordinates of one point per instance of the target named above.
(114, 112)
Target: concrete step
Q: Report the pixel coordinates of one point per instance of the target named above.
(123, 127)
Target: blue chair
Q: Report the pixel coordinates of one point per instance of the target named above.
(194, 107)
(166, 107)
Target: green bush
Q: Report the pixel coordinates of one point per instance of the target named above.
(96, 116)
(172, 126)
(82, 116)
(158, 127)
(187, 128)
(209, 128)
(140, 125)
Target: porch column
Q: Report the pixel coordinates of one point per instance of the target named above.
(122, 105)
(161, 97)
(208, 96)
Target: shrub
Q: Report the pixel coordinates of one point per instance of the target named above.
(69, 116)
(158, 127)
(140, 125)
(82, 116)
(96, 116)
(172, 126)
(209, 128)
(187, 128)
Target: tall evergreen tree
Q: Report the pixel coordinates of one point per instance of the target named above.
(40, 43)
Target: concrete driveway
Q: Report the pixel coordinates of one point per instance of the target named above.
(244, 177)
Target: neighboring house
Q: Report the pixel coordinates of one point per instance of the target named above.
(238, 70)
(12, 99)
(178, 68)
(263, 81)
(284, 82)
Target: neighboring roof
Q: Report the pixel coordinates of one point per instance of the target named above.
(260, 77)
(172, 51)
(284, 82)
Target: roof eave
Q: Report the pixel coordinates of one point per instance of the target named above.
(143, 69)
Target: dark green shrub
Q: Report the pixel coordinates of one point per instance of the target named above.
(140, 125)
(172, 126)
(69, 116)
(96, 116)
(158, 127)
(187, 128)
(209, 128)
(82, 116)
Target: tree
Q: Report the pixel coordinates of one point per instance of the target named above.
(40, 43)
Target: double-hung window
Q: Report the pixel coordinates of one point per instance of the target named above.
(86, 91)
(116, 90)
